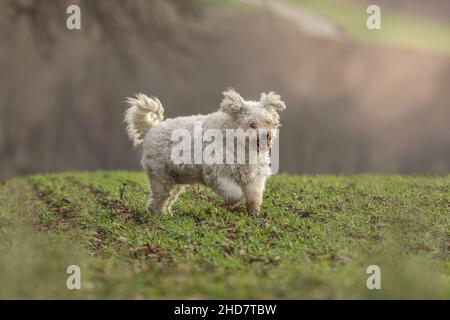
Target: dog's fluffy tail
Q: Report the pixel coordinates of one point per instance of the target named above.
(142, 114)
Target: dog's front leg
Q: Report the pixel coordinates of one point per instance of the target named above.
(229, 190)
(253, 192)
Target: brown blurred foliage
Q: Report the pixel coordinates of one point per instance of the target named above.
(56, 105)
(115, 22)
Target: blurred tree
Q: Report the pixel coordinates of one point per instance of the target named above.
(115, 22)
(60, 87)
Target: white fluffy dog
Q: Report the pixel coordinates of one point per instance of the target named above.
(232, 181)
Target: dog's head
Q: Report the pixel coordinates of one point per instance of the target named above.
(261, 116)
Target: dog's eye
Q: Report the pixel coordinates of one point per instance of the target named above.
(253, 125)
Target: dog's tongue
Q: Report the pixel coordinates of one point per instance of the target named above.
(265, 145)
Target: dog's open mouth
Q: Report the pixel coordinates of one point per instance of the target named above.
(269, 140)
(264, 141)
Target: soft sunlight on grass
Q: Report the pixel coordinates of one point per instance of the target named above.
(229, 4)
(398, 29)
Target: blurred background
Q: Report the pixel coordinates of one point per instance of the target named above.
(358, 100)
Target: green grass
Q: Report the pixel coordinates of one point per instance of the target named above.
(314, 239)
(229, 5)
(409, 31)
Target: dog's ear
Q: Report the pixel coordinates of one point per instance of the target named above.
(272, 101)
(232, 102)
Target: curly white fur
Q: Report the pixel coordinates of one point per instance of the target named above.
(232, 182)
(143, 113)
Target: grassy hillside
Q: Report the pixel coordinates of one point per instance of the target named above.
(404, 30)
(315, 238)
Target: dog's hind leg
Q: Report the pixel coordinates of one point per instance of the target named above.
(174, 193)
(160, 187)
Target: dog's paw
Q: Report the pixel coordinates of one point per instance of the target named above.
(253, 209)
(164, 212)
(235, 209)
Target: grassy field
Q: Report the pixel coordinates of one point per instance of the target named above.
(401, 30)
(315, 238)
(397, 29)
